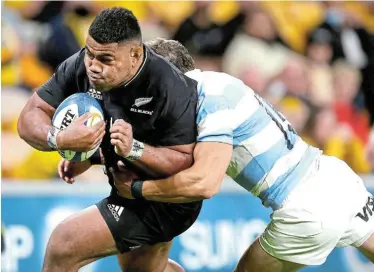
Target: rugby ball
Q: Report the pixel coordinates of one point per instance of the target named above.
(70, 109)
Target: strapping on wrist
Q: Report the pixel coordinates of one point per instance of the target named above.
(52, 137)
(136, 151)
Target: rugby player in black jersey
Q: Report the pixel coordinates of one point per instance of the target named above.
(141, 94)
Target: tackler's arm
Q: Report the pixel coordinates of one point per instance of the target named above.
(201, 181)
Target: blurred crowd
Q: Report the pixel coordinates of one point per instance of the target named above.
(313, 60)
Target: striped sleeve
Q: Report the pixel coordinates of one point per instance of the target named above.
(215, 120)
(226, 105)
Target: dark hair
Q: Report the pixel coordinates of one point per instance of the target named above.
(115, 25)
(174, 52)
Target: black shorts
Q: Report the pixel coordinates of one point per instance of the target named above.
(134, 223)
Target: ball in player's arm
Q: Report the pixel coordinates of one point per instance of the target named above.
(35, 123)
(121, 69)
(172, 159)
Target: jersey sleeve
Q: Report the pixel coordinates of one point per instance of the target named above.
(178, 116)
(215, 120)
(62, 83)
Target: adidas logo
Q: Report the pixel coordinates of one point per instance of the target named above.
(95, 94)
(115, 210)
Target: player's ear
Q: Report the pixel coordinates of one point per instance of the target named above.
(136, 53)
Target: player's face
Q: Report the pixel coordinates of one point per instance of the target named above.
(110, 65)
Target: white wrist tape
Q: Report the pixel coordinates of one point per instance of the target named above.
(52, 137)
(136, 151)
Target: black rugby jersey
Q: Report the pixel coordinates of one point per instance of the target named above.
(159, 101)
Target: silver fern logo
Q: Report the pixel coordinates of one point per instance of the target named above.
(142, 101)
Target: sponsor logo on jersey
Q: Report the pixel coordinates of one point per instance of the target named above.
(367, 210)
(115, 210)
(95, 94)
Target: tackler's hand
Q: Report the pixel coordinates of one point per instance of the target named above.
(122, 180)
(121, 137)
(68, 170)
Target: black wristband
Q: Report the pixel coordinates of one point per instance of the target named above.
(96, 157)
(136, 189)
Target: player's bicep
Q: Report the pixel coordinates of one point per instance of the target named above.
(186, 149)
(212, 160)
(34, 122)
(36, 104)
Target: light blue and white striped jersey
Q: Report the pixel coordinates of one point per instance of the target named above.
(269, 158)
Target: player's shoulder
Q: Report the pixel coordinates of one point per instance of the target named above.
(167, 77)
(223, 95)
(219, 84)
(76, 60)
(80, 67)
(74, 65)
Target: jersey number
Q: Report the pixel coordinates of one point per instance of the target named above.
(281, 122)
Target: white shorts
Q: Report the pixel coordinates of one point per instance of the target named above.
(329, 208)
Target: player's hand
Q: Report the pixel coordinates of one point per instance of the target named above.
(121, 137)
(69, 170)
(78, 137)
(122, 180)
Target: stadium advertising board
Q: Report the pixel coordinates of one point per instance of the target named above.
(228, 223)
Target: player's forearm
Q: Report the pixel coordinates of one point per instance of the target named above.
(163, 161)
(183, 187)
(201, 181)
(33, 128)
